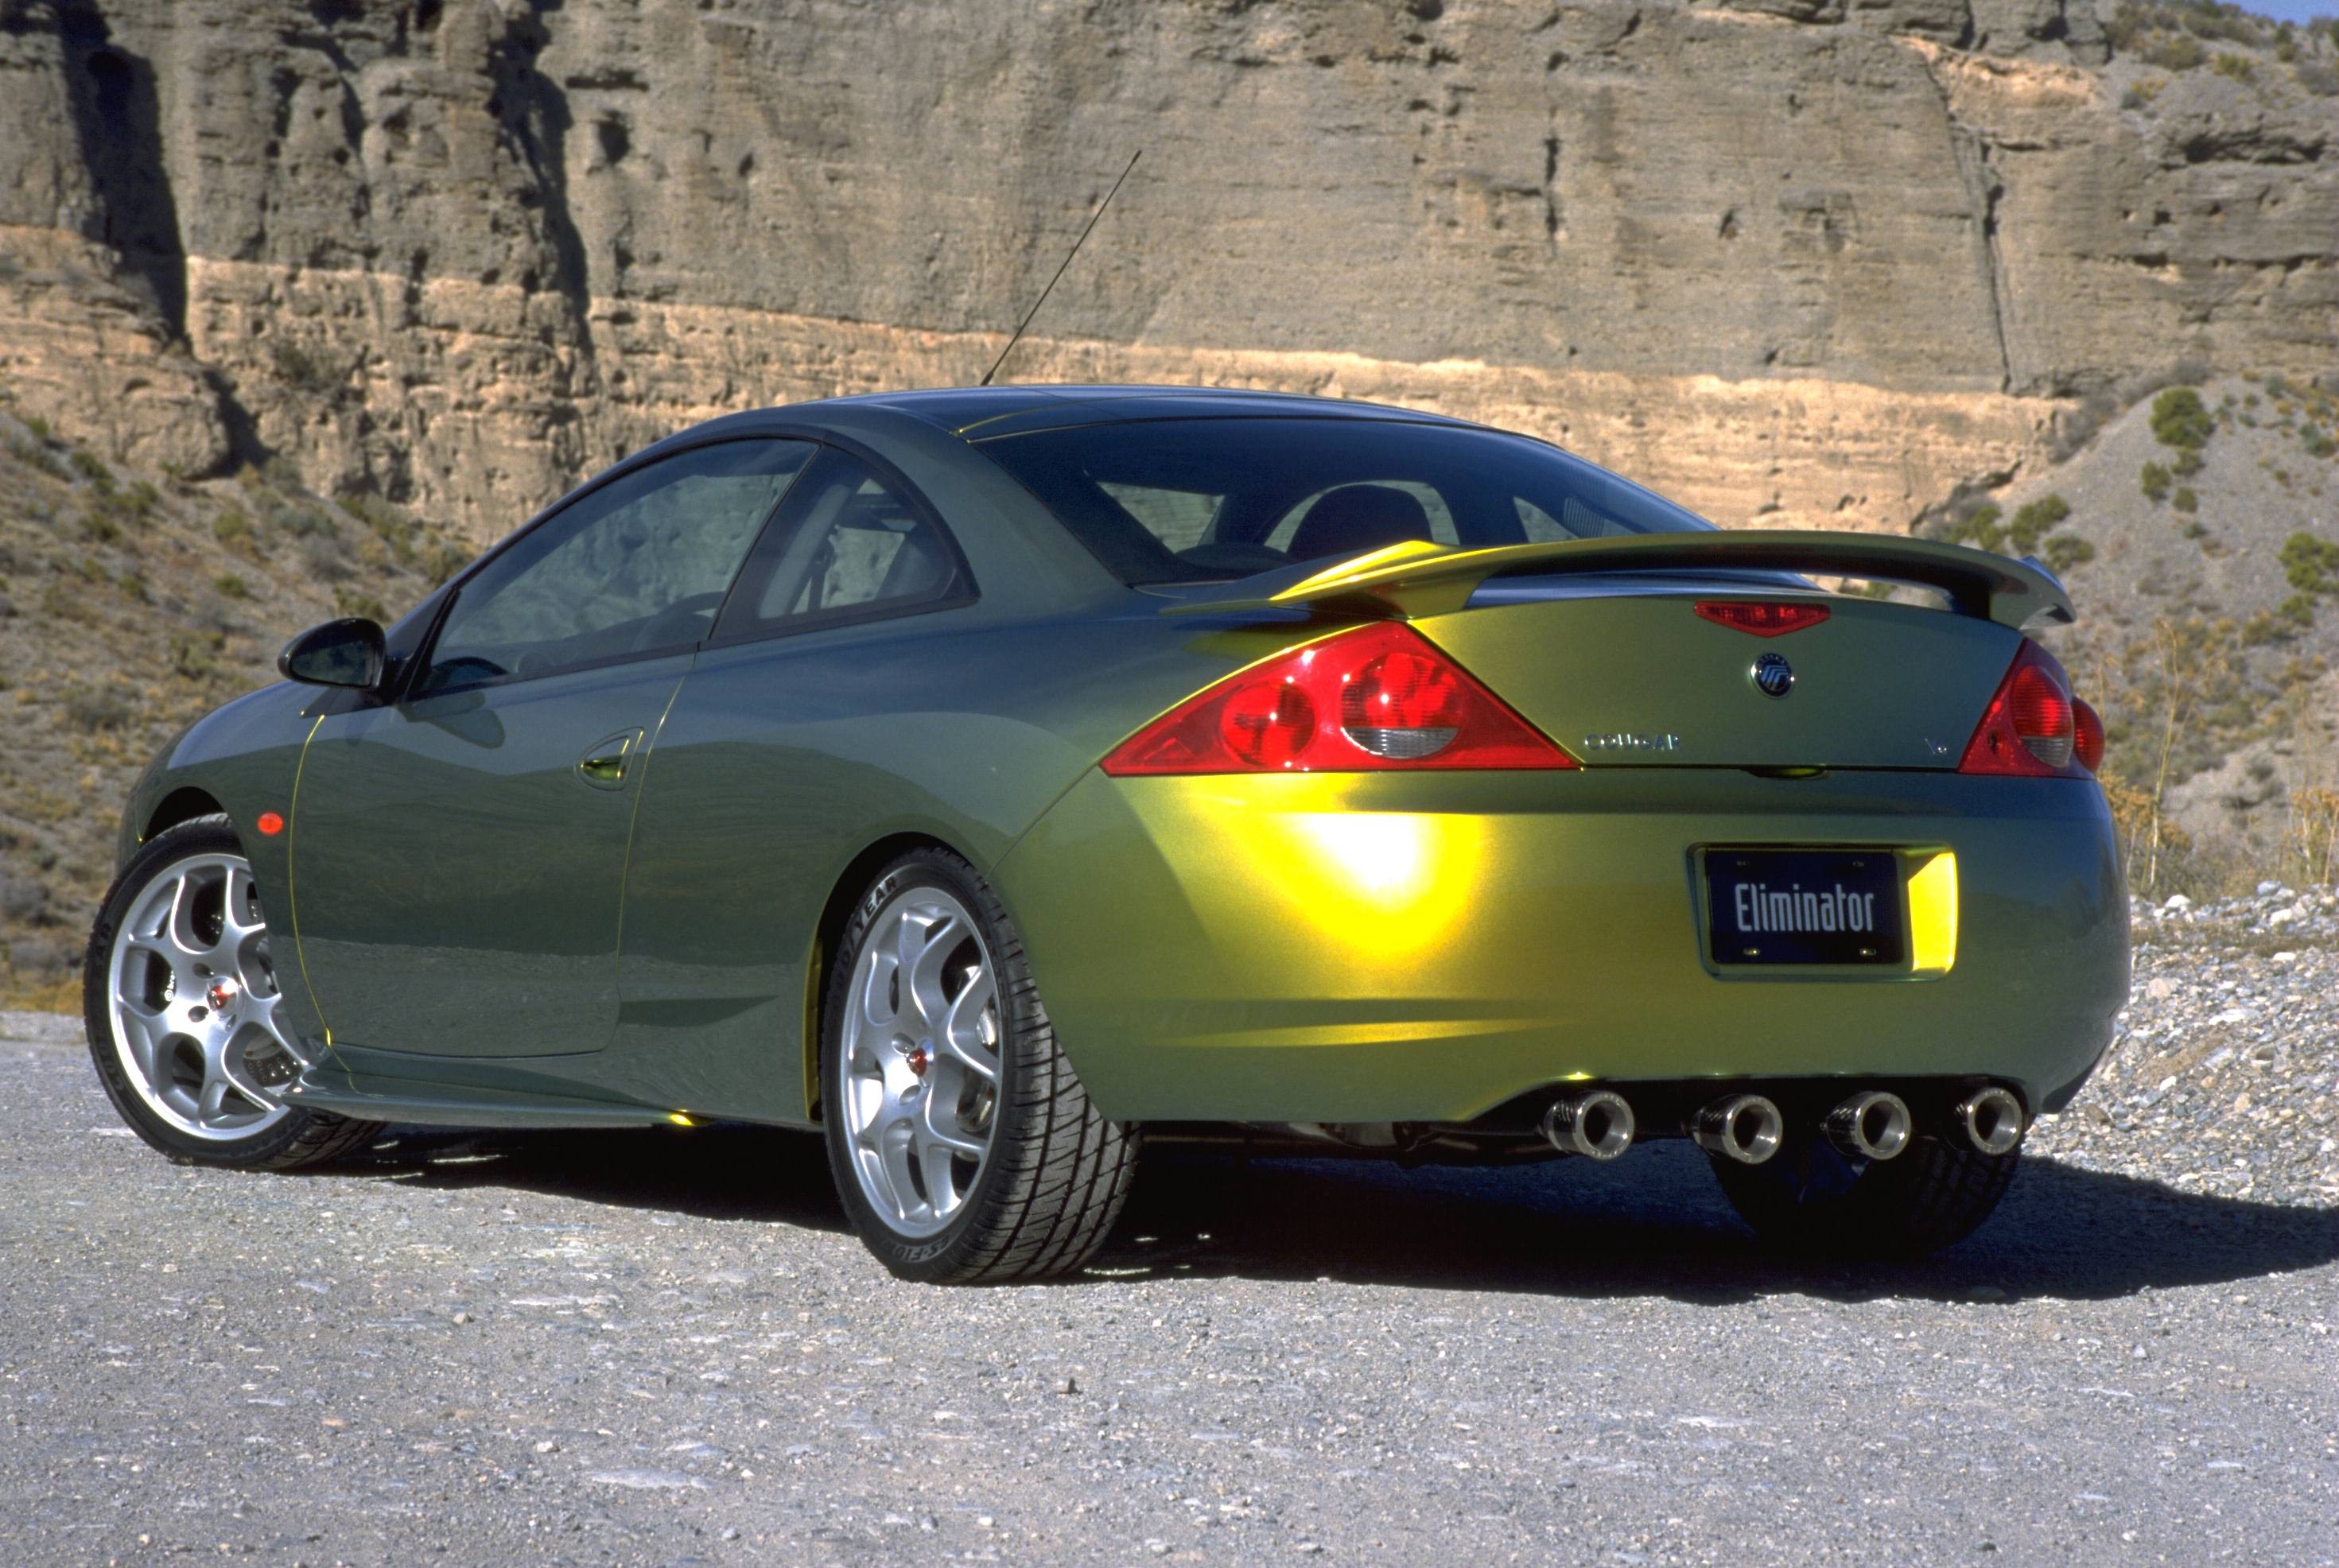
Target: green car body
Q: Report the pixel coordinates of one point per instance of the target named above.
(485, 937)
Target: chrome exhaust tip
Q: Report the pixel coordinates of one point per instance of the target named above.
(1597, 1125)
(1745, 1127)
(1992, 1119)
(1871, 1125)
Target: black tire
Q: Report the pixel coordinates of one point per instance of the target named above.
(298, 1137)
(1057, 1172)
(1808, 1198)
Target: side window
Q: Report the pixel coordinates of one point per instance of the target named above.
(1576, 521)
(1181, 519)
(638, 566)
(846, 541)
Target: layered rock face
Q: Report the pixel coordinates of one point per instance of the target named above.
(1811, 261)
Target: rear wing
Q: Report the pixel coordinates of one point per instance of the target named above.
(1413, 579)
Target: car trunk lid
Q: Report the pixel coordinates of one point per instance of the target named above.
(1641, 679)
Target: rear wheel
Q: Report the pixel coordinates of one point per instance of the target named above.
(180, 998)
(964, 1146)
(1809, 1197)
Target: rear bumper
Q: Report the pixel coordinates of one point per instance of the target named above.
(1423, 948)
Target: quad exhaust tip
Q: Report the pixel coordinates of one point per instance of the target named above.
(1597, 1125)
(1992, 1120)
(1871, 1125)
(1745, 1127)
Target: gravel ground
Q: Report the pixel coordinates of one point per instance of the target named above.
(661, 1347)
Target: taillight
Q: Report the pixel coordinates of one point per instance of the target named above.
(2031, 725)
(1762, 618)
(1379, 697)
(2089, 746)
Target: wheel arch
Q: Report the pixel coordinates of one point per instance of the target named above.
(183, 805)
(851, 882)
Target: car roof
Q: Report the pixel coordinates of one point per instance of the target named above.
(981, 413)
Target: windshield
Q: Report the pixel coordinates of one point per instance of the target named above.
(1199, 501)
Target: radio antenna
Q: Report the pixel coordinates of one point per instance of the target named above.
(1050, 288)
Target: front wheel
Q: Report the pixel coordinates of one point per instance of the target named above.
(964, 1146)
(1811, 1198)
(180, 996)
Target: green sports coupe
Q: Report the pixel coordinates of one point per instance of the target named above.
(996, 779)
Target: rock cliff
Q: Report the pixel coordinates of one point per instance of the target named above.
(1817, 260)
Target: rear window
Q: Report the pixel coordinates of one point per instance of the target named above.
(1187, 500)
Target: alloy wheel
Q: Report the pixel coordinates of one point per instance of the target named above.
(920, 1061)
(193, 999)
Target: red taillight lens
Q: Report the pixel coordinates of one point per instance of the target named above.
(2088, 745)
(2031, 725)
(1764, 620)
(1380, 696)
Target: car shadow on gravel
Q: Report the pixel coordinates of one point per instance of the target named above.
(1655, 1224)
(726, 1173)
(1651, 1224)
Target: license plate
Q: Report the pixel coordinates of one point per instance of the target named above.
(1804, 906)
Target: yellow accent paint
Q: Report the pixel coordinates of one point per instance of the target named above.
(292, 882)
(1933, 914)
(1334, 577)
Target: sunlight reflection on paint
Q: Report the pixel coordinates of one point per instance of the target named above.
(1393, 883)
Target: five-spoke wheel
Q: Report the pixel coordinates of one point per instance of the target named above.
(194, 1000)
(185, 1015)
(919, 1089)
(964, 1146)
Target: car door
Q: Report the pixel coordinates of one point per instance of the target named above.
(458, 855)
(759, 790)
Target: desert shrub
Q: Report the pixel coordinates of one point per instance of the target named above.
(2187, 463)
(441, 560)
(96, 709)
(234, 531)
(195, 654)
(99, 529)
(2035, 520)
(132, 508)
(2309, 563)
(305, 369)
(2179, 420)
(2067, 549)
(36, 454)
(327, 557)
(90, 467)
(2314, 832)
(2184, 501)
(231, 587)
(348, 602)
(2236, 67)
(302, 520)
(1979, 528)
(2173, 52)
(2266, 627)
(2155, 480)
(2318, 444)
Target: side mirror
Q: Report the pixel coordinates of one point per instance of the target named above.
(338, 654)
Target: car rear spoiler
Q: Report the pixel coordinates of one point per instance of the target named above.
(1413, 579)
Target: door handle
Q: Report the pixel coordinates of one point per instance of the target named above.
(602, 765)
